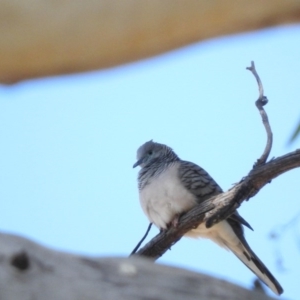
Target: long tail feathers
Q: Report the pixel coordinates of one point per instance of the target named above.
(229, 235)
(259, 269)
(250, 259)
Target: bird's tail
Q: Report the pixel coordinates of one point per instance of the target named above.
(229, 235)
(243, 252)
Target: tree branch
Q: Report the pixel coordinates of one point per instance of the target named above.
(220, 207)
(251, 184)
(225, 212)
(260, 102)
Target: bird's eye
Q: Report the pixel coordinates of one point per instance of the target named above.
(150, 152)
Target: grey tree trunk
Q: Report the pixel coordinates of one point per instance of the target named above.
(29, 271)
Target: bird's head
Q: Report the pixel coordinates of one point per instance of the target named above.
(152, 152)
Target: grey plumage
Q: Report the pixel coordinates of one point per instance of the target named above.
(169, 186)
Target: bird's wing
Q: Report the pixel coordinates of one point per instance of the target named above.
(202, 185)
(197, 181)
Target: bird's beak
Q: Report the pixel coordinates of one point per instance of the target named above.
(140, 161)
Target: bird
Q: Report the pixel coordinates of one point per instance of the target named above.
(169, 187)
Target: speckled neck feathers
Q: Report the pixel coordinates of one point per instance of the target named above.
(156, 167)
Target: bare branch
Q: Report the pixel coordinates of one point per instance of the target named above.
(220, 207)
(260, 86)
(260, 102)
(227, 210)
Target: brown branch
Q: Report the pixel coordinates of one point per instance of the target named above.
(223, 204)
(220, 207)
(260, 102)
(224, 212)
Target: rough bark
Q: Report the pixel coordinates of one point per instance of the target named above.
(42, 38)
(29, 271)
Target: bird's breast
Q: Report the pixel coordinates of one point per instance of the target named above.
(164, 197)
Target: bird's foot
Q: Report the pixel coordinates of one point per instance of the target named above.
(175, 221)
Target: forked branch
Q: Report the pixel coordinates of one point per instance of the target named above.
(220, 207)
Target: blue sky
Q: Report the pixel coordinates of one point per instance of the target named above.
(69, 143)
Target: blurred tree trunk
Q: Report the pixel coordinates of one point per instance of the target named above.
(42, 38)
(29, 271)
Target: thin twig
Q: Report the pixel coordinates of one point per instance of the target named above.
(220, 207)
(222, 213)
(260, 102)
(228, 201)
(260, 86)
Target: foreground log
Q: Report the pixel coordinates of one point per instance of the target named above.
(30, 271)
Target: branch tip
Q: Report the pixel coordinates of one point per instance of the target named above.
(260, 102)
